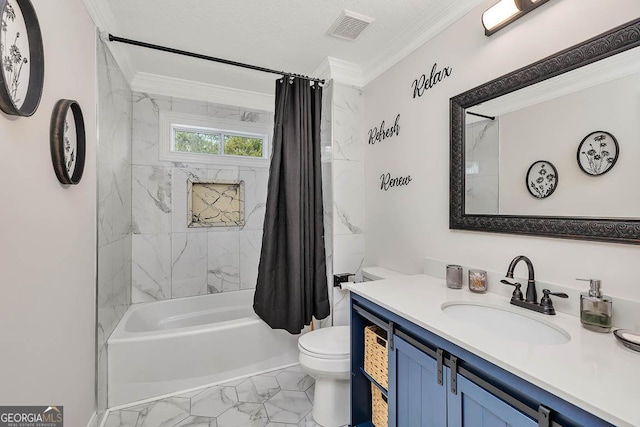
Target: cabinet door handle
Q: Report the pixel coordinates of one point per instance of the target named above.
(544, 417)
(440, 359)
(454, 375)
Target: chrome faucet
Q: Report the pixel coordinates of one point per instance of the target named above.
(531, 301)
(532, 295)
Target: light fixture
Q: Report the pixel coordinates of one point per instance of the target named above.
(505, 12)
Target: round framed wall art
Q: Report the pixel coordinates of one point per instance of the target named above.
(21, 58)
(541, 179)
(67, 141)
(598, 153)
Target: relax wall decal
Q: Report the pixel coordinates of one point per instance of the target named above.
(422, 84)
(380, 134)
(387, 182)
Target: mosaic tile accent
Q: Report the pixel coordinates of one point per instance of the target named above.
(215, 203)
(282, 398)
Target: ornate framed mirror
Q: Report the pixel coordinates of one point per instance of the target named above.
(570, 89)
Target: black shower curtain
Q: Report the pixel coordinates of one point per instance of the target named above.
(292, 278)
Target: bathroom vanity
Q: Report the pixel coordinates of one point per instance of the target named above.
(458, 358)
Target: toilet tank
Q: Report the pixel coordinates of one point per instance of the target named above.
(378, 273)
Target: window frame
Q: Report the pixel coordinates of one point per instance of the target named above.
(170, 121)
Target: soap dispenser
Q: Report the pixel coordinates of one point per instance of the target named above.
(596, 310)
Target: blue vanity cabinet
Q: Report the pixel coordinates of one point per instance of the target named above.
(423, 397)
(418, 399)
(474, 406)
(433, 382)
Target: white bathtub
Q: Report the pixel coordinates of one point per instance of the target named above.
(167, 346)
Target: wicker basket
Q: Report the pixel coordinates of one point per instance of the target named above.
(376, 355)
(379, 408)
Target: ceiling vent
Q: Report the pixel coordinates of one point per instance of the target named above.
(349, 25)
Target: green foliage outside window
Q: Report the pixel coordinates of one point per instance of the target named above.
(209, 143)
(195, 142)
(242, 146)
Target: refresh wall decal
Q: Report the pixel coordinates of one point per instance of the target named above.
(387, 181)
(380, 134)
(422, 84)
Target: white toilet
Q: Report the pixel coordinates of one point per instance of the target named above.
(325, 355)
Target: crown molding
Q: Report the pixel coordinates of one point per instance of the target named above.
(416, 35)
(323, 71)
(106, 22)
(171, 86)
(340, 71)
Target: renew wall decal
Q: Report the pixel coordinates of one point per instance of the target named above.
(387, 181)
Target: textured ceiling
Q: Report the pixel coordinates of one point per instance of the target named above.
(288, 35)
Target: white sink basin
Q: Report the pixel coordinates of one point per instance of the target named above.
(507, 323)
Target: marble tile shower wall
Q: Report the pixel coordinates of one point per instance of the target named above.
(170, 260)
(481, 155)
(327, 186)
(348, 196)
(114, 206)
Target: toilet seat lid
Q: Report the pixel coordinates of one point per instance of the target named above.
(329, 342)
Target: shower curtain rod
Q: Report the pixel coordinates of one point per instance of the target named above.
(113, 38)
(481, 115)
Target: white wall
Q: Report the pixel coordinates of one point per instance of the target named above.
(412, 222)
(48, 234)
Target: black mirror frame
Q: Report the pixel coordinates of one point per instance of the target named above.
(617, 40)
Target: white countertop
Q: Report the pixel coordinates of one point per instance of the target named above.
(592, 371)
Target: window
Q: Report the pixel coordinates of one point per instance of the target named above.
(216, 141)
(195, 139)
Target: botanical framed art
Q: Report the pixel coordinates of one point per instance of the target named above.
(598, 153)
(542, 179)
(67, 141)
(21, 58)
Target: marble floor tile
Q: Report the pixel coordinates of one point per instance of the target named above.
(198, 422)
(257, 389)
(257, 401)
(213, 401)
(244, 415)
(294, 378)
(308, 421)
(191, 394)
(272, 373)
(288, 406)
(164, 413)
(311, 392)
(234, 383)
(122, 419)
